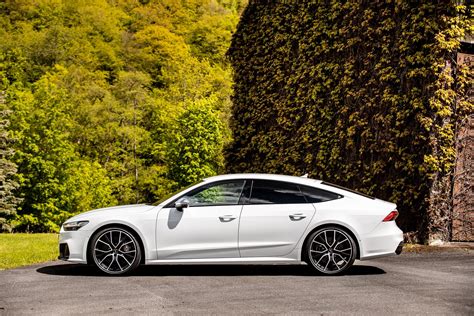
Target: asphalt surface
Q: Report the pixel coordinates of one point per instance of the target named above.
(412, 283)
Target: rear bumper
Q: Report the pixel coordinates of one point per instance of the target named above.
(385, 240)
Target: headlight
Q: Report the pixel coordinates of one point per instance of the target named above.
(73, 226)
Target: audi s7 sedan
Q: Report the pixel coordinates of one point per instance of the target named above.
(238, 218)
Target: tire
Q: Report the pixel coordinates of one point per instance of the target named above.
(115, 251)
(330, 250)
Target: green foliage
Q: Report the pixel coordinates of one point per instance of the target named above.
(40, 123)
(87, 187)
(96, 91)
(210, 196)
(210, 37)
(8, 170)
(360, 94)
(195, 146)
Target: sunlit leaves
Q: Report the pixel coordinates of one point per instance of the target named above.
(195, 146)
(99, 91)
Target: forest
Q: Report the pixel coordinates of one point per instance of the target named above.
(109, 102)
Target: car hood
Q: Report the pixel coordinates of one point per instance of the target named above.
(133, 208)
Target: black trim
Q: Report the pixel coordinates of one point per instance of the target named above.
(63, 251)
(399, 248)
(301, 192)
(244, 197)
(347, 189)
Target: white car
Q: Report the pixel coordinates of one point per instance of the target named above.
(238, 218)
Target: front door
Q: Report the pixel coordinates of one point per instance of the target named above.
(208, 228)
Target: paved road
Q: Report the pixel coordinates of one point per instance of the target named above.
(427, 283)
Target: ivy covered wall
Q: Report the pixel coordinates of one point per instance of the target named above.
(362, 94)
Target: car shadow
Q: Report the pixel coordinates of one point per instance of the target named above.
(206, 270)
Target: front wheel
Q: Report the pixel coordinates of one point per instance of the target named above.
(115, 250)
(331, 250)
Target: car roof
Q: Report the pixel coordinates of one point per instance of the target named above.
(279, 177)
(264, 176)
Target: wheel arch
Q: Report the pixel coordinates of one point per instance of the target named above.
(119, 225)
(345, 228)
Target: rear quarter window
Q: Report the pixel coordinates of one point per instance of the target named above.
(315, 195)
(347, 189)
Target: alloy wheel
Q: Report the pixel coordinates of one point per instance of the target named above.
(331, 251)
(115, 251)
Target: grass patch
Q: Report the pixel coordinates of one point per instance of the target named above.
(23, 249)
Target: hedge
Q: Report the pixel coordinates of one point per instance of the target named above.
(362, 94)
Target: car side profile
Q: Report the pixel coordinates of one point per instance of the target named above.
(238, 218)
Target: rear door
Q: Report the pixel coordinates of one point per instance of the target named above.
(273, 219)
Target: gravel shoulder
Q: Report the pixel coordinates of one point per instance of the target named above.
(440, 282)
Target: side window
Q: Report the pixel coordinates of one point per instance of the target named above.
(314, 195)
(275, 192)
(224, 193)
(245, 197)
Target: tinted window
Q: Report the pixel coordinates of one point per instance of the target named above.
(346, 189)
(275, 192)
(314, 195)
(223, 193)
(245, 197)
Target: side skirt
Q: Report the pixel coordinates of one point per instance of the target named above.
(253, 260)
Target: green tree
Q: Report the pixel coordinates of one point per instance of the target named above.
(195, 146)
(131, 89)
(210, 37)
(8, 184)
(40, 123)
(88, 187)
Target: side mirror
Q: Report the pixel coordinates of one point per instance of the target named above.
(181, 204)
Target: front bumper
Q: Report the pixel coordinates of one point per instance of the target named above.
(73, 245)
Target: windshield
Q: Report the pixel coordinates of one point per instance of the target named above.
(167, 196)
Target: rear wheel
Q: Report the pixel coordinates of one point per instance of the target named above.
(331, 250)
(115, 250)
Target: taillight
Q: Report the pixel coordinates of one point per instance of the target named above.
(391, 216)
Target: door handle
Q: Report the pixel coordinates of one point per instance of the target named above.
(297, 216)
(226, 218)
